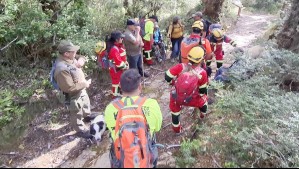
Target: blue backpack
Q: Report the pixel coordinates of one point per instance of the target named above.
(52, 79)
(103, 61)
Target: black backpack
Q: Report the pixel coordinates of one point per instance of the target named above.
(207, 23)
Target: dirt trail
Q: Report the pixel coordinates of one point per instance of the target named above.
(66, 151)
(247, 29)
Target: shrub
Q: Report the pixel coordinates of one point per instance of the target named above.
(188, 152)
(8, 109)
(264, 129)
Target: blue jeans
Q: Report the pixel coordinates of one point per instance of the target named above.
(176, 47)
(135, 62)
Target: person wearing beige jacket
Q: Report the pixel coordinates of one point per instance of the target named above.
(71, 81)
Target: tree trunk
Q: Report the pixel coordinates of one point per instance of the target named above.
(212, 8)
(288, 38)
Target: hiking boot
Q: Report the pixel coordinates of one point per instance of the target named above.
(84, 134)
(178, 129)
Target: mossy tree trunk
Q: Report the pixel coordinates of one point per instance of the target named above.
(212, 8)
(288, 38)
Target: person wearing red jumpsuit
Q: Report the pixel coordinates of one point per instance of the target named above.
(117, 61)
(198, 96)
(217, 38)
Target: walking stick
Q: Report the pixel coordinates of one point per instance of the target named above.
(143, 71)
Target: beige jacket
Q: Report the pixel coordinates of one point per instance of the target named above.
(69, 77)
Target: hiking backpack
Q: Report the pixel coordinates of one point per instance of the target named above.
(208, 24)
(187, 44)
(186, 85)
(52, 79)
(66, 66)
(103, 60)
(102, 54)
(133, 141)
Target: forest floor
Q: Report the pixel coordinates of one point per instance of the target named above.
(49, 140)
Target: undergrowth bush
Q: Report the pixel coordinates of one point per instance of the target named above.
(264, 126)
(255, 121)
(188, 152)
(8, 109)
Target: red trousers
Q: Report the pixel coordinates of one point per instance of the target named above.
(115, 79)
(147, 48)
(197, 101)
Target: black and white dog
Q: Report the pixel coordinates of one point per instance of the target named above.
(98, 127)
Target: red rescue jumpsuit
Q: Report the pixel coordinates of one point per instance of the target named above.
(216, 46)
(118, 58)
(199, 98)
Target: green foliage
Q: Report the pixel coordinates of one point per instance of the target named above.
(8, 109)
(263, 129)
(188, 153)
(25, 93)
(230, 165)
(55, 117)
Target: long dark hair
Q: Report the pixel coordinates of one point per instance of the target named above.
(110, 42)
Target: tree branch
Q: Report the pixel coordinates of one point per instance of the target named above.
(8, 44)
(61, 8)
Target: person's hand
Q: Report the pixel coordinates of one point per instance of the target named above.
(168, 35)
(141, 44)
(137, 28)
(80, 62)
(88, 82)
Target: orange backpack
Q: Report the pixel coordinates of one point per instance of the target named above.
(133, 141)
(187, 44)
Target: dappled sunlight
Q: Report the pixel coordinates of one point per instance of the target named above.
(57, 126)
(53, 158)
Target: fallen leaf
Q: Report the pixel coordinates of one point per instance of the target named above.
(21, 147)
(39, 91)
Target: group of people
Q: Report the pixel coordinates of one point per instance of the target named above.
(131, 119)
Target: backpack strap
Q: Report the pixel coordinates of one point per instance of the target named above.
(202, 41)
(119, 104)
(62, 66)
(140, 101)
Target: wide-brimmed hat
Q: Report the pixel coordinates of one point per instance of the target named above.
(67, 46)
